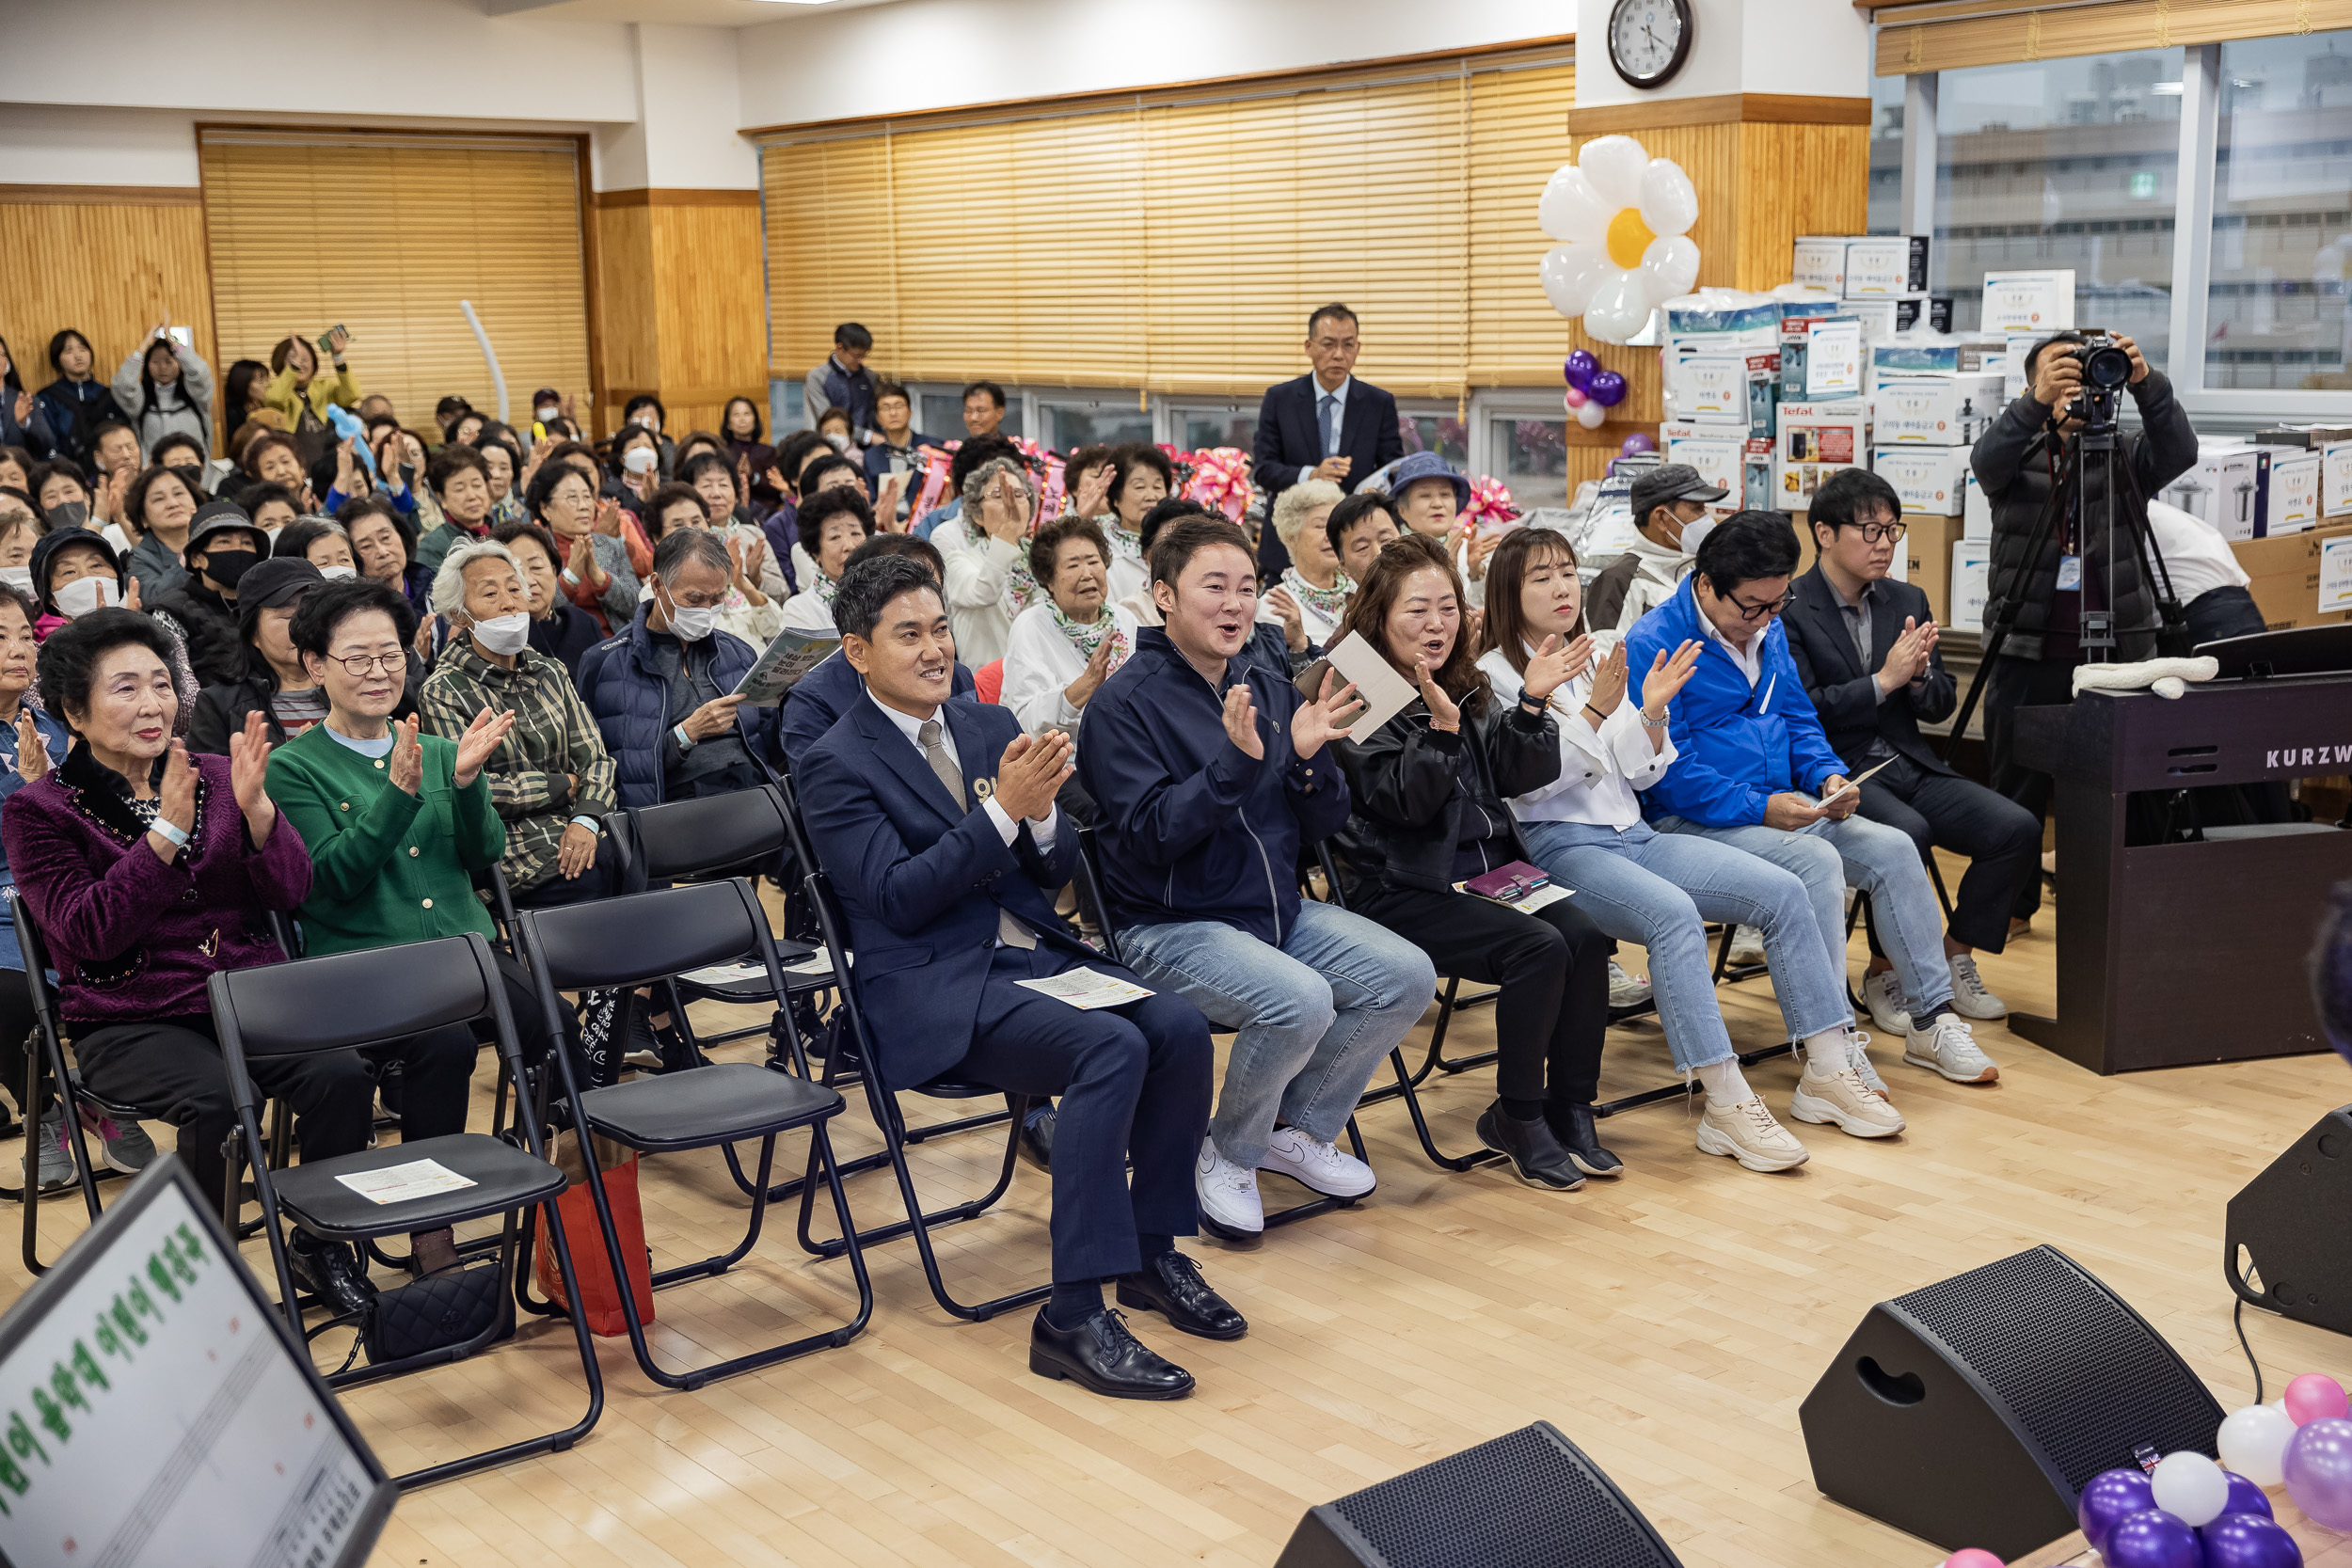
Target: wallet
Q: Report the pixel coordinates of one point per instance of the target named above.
(1508, 883)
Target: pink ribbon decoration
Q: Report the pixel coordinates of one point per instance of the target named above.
(1218, 479)
(1490, 505)
(934, 480)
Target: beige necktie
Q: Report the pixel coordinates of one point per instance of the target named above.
(1010, 929)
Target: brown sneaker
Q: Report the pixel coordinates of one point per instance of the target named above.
(1748, 1133)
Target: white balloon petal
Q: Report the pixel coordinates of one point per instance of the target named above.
(1670, 203)
(2254, 1443)
(1671, 265)
(1614, 164)
(1570, 275)
(2190, 1487)
(1572, 210)
(1592, 416)
(1619, 307)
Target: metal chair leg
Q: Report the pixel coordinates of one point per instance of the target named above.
(1420, 1125)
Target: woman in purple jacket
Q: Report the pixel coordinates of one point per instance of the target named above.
(149, 869)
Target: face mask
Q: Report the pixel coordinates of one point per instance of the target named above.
(18, 578)
(82, 594)
(547, 412)
(1694, 532)
(838, 442)
(649, 420)
(225, 566)
(338, 574)
(639, 460)
(503, 635)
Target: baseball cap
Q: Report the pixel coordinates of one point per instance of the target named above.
(275, 583)
(1669, 483)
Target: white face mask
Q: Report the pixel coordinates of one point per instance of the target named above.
(503, 635)
(547, 412)
(82, 594)
(639, 460)
(338, 574)
(18, 578)
(1694, 532)
(690, 625)
(837, 441)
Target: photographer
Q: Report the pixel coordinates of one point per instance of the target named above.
(2017, 462)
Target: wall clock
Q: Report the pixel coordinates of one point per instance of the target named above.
(1648, 39)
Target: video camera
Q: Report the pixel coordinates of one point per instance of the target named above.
(2107, 371)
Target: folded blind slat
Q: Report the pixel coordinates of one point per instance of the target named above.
(386, 238)
(1933, 37)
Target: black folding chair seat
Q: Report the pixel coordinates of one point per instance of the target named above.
(730, 1100)
(504, 1178)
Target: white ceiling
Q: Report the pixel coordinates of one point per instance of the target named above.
(683, 13)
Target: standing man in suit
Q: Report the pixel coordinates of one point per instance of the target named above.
(1324, 425)
(937, 822)
(1866, 647)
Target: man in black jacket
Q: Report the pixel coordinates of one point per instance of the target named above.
(2016, 461)
(1324, 425)
(1866, 645)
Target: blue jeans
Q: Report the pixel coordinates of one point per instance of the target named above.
(1659, 889)
(1315, 1015)
(1882, 861)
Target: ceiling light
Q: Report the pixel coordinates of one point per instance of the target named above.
(2166, 89)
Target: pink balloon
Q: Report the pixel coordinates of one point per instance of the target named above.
(2318, 1468)
(2317, 1396)
(1575, 398)
(1972, 1556)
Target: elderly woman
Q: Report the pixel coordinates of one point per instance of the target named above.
(597, 574)
(551, 778)
(1062, 650)
(383, 545)
(749, 610)
(149, 870)
(980, 545)
(320, 541)
(69, 556)
(1141, 478)
(559, 628)
(833, 522)
(275, 683)
(1311, 598)
(159, 507)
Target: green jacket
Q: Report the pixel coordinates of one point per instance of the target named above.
(387, 867)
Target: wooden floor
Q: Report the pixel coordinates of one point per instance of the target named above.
(1670, 1323)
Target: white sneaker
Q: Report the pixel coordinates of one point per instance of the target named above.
(1882, 993)
(1858, 1058)
(1317, 1166)
(1843, 1099)
(1625, 990)
(1228, 1193)
(1969, 997)
(1948, 1046)
(1748, 1133)
(1747, 946)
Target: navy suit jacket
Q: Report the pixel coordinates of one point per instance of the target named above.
(1844, 693)
(1290, 442)
(827, 692)
(921, 876)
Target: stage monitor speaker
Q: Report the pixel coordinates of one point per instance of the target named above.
(1972, 1413)
(2290, 1222)
(1528, 1500)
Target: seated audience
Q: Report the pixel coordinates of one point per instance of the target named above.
(20, 530)
(382, 543)
(826, 693)
(948, 888)
(74, 572)
(1866, 645)
(320, 541)
(159, 508)
(833, 522)
(662, 691)
(597, 576)
(503, 455)
(999, 495)
(1586, 829)
(186, 455)
(1358, 528)
(77, 402)
(551, 779)
(272, 458)
(1062, 650)
(167, 389)
(461, 486)
(275, 683)
(636, 466)
(843, 382)
(62, 495)
(1755, 771)
(749, 610)
(559, 628)
(1428, 788)
(1311, 598)
(825, 471)
(1670, 506)
(1141, 478)
(1211, 779)
(713, 479)
(271, 508)
(223, 545)
(646, 410)
(794, 453)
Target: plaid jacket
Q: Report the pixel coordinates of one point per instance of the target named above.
(553, 736)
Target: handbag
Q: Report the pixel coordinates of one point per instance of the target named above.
(441, 1309)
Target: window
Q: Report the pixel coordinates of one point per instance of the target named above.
(2063, 163)
(2275, 313)
(1114, 420)
(1533, 460)
(1442, 434)
(939, 414)
(1886, 155)
(1231, 425)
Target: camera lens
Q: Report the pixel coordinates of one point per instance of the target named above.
(2106, 367)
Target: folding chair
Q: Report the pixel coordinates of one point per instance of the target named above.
(645, 937)
(1091, 869)
(349, 1000)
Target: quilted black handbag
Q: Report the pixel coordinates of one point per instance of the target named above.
(443, 1309)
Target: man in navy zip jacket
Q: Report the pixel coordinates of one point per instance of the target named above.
(1211, 775)
(1755, 772)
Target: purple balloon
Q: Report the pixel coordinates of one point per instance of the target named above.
(2246, 1498)
(1576, 375)
(1608, 389)
(2249, 1541)
(2150, 1539)
(2319, 1470)
(1636, 443)
(1582, 363)
(2111, 1496)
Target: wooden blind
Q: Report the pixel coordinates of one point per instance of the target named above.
(1178, 244)
(385, 234)
(1948, 35)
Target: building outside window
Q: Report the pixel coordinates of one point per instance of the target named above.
(1886, 155)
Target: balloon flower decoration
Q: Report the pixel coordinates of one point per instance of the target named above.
(1219, 480)
(1624, 222)
(1592, 392)
(1490, 504)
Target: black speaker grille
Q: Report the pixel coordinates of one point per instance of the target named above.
(1524, 1500)
(2088, 1381)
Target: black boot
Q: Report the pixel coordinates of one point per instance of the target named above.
(1536, 1157)
(1572, 1124)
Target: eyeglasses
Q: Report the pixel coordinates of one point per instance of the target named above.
(364, 664)
(1752, 612)
(1872, 533)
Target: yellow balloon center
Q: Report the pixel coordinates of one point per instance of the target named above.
(1629, 237)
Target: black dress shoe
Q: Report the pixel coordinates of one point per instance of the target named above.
(1536, 1157)
(1037, 1137)
(330, 1271)
(1171, 1284)
(1574, 1126)
(1103, 1357)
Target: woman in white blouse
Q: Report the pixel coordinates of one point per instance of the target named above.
(1637, 884)
(1311, 598)
(1000, 510)
(836, 521)
(1064, 647)
(1141, 478)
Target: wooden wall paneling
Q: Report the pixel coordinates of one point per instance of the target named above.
(708, 314)
(631, 360)
(1796, 180)
(110, 265)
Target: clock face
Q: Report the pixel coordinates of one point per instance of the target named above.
(1648, 39)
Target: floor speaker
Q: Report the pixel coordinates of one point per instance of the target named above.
(2290, 1222)
(1528, 1500)
(1972, 1413)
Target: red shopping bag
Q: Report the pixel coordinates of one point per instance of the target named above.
(576, 1211)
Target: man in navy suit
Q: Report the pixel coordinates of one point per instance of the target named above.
(1326, 425)
(937, 823)
(822, 695)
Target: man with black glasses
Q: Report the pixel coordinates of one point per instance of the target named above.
(1757, 773)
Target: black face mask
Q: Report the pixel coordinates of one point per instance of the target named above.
(193, 475)
(225, 566)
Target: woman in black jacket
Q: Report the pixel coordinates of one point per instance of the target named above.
(1429, 788)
